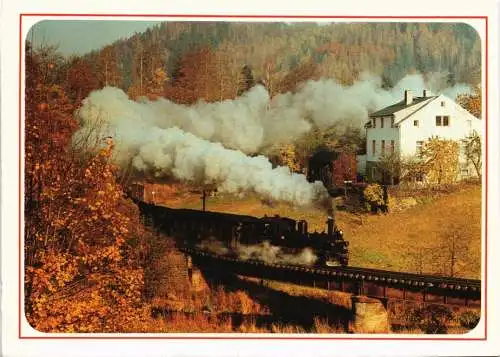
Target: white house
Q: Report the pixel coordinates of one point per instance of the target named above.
(403, 127)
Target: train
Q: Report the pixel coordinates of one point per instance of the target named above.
(192, 227)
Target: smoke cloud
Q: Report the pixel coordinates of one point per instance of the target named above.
(264, 251)
(213, 245)
(209, 143)
(255, 121)
(274, 255)
(166, 152)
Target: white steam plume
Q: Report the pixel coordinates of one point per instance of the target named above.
(205, 143)
(271, 254)
(174, 152)
(254, 121)
(264, 251)
(213, 245)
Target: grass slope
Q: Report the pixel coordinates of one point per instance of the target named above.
(440, 237)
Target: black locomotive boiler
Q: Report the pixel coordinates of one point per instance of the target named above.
(193, 227)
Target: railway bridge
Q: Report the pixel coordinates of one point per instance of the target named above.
(381, 284)
(371, 289)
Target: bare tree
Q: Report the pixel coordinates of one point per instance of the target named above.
(473, 153)
(453, 250)
(389, 165)
(412, 169)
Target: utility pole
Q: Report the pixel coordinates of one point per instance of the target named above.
(203, 199)
(346, 182)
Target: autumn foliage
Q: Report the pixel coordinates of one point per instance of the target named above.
(288, 157)
(472, 101)
(440, 160)
(87, 257)
(82, 247)
(204, 74)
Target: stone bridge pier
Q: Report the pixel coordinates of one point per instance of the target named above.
(195, 276)
(369, 315)
(174, 274)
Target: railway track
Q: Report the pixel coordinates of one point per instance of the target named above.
(412, 278)
(362, 281)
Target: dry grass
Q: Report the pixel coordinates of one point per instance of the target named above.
(182, 323)
(236, 311)
(330, 296)
(402, 317)
(411, 240)
(415, 240)
(418, 240)
(238, 301)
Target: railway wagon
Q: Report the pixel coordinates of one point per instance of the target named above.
(192, 227)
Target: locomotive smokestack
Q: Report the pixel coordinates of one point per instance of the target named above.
(330, 222)
(302, 226)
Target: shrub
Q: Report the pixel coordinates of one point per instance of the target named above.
(431, 319)
(373, 196)
(469, 319)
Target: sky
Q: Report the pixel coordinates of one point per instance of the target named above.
(82, 36)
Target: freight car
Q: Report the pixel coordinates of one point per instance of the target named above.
(192, 227)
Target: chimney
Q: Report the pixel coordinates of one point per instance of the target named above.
(408, 97)
(425, 93)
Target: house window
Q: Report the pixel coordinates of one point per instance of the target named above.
(464, 169)
(381, 122)
(382, 147)
(392, 122)
(442, 104)
(374, 122)
(373, 147)
(442, 120)
(415, 123)
(420, 144)
(392, 147)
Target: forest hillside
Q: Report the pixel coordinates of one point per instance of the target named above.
(282, 55)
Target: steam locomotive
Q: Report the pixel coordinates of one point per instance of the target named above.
(192, 227)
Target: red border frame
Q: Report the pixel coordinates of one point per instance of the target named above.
(183, 16)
